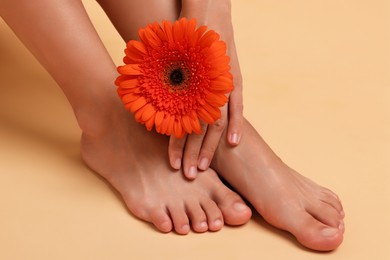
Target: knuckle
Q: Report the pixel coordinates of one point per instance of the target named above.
(176, 144)
(209, 150)
(220, 124)
(191, 157)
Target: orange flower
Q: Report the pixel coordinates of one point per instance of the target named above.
(175, 75)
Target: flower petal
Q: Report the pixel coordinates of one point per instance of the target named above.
(208, 38)
(171, 122)
(130, 83)
(129, 98)
(186, 122)
(159, 31)
(137, 104)
(137, 46)
(167, 25)
(164, 125)
(205, 116)
(216, 99)
(152, 38)
(196, 125)
(177, 129)
(149, 124)
(130, 69)
(133, 56)
(159, 118)
(149, 112)
(178, 31)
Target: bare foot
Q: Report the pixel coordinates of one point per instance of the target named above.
(286, 199)
(135, 162)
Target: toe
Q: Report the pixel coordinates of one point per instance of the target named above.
(332, 199)
(326, 214)
(315, 234)
(234, 210)
(179, 218)
(214, 215)
(197, 217)
(160, 218)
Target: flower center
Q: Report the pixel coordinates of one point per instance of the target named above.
(176, 77)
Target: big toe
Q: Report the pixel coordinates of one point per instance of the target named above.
(316, 235)
(234, 210)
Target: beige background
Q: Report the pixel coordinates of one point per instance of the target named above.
(316, 86)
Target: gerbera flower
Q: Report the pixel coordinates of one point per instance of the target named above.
(174, 76)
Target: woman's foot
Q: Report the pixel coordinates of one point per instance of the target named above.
(135, 162)
(286, 199)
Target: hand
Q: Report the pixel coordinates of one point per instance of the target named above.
(196, 151)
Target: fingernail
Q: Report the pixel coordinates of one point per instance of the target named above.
(177, 164)
(329, 232)
(192, 172)
(234, 138)
(204, 164)
(239, 206)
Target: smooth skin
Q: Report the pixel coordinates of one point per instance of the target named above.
(121, 150)
(112, 144)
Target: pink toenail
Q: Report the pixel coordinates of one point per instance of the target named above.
(341, 226)
(329, 232)
(185, 228)
(218, 222)
(166, 226)
(239, 206)
(203, 224)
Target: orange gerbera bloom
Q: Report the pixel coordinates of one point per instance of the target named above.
(175, 75)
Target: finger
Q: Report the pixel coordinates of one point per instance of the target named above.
(236, 118)
(211, 140)
(191, 152)
(175, 151)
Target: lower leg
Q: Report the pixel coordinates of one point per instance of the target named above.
(57, 33)
(285, 199)
(60, 35)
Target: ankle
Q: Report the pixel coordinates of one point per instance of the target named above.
(96, 115)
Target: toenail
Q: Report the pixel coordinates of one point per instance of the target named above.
(204, 164)
(203, 224)
(239, 206)
(329, 232)
(165, 226)
(177, 164)
(218, 222)
(192, 172)
(341, 226)
(185, 228)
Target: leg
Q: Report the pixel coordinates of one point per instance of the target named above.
(284, 198)
(57, 33)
